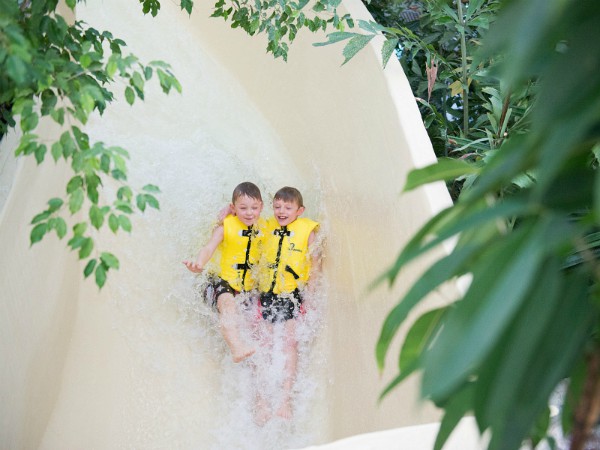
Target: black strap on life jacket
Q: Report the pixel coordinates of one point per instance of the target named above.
(249, 233)
(282, 233)
(290, 270)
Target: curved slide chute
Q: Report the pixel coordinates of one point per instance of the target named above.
(137, 365)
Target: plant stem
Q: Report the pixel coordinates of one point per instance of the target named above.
(588, 408)
(465, 78)
(505, 106)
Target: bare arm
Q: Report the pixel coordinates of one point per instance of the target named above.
(315, 272)
(315, 254)
(206, 252)
(224, 212)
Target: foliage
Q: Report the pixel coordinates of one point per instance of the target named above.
(65, 72)
(467, 111)
(281, 20)
(519, 104)
(529, 318)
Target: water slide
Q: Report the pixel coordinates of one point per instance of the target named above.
(139, 365)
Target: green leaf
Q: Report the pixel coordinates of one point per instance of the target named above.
(58, 115)
(113, 223)
(140, 201)
(74, 183)
(563, 345)
(442, 270)
(96, 216)
(87, 102)
(39, 217)
(92, 182)
(398, 379)
(129, 95)
(356, 44)
(79, 228)
(540, 428)
(55, 204)
(100, 275)
(89, 267)
(56, 151)
(125, 223)
(573, 396)
(420, 336)
(49, 101)
(123, 206)
(61, 227)
(451, 221)
(507, 364)
(76, 242)
(187, 5)
(85, 60)
(105, 163)
(17, 69)
(68, 144)
(152, 201)
(147, 72)
(474, 326)
(76, 200)
(336, 36)
(388, 49)
(445, 169)
(86, 248)
(151, 188)
(38, 232)
(458, 406)
(138, 81)
(109, 260)
(40, 152)
(111, 66)
(124, 192)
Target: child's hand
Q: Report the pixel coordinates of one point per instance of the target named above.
(193, 266)
(224, 212)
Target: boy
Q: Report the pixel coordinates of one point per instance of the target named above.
(238, 240)
(284, 273)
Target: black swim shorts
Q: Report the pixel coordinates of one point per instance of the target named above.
(215, 287)
(280, 307)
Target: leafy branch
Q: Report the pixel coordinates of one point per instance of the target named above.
(280, 20)
(65, 72)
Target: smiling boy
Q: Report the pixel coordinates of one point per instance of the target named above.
(238, 241)
(285, 269)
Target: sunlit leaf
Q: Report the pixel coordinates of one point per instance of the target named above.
(444, 169)
(356, 44)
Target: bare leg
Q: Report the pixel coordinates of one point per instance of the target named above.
(229, 320)
(262, 413)
(262, 406)
(291, 365)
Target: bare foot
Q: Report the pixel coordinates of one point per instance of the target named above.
(285, 410)
(241, 355)
(262, 414)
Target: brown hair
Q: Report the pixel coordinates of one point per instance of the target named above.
(289, 194)
(248, 189)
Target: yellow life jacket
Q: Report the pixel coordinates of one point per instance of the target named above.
(239, 252)
(285, 263)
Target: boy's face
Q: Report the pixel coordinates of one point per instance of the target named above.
(247, 209)
(286, 212)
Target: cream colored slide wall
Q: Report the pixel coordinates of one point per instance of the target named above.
(132, 366)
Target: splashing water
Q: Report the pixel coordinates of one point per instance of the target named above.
(186, 390)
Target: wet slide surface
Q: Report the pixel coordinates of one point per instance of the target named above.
(141, 364)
